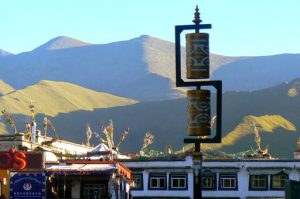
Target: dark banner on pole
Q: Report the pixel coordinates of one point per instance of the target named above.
(27, 185)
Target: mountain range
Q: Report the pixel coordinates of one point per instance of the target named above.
(76, 83)
(277, 122)
(257, 73)
(142, 68)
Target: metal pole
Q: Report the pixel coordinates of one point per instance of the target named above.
(197, 155)
(197, 174)
(200, 175)
(80, 186)
(65, 186)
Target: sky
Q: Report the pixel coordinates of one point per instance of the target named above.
(239, 27)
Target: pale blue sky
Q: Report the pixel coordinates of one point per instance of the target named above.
(240, 27)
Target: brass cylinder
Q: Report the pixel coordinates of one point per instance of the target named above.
(198, 112)
(197, 55)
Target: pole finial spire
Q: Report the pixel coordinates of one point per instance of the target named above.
(197, 19)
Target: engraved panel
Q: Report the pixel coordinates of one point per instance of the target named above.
(198, 112)
(197, 55)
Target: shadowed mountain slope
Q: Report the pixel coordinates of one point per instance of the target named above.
(274, 110)
(140, 68)
(255, 73)
(160, 56)
(4, 53)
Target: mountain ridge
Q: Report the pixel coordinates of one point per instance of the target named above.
(61, 42)
(4, 53)
(52, 98)
(140, 68)
(257, 73)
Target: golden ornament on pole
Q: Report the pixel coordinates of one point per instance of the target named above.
(199, 113)
(197, 55)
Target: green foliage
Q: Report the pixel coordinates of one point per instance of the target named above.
(155, 153)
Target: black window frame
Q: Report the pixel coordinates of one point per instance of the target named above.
(275, 175)
(61, 182)
(184, 175)
(84, 183)
(213, 177)
(162, 175)
(258, 189)
(223, 175)
(142, 182)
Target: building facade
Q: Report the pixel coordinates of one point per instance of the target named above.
(229, 178)
(161, 178)
(248, 178)
(77, 171)
(54, 168)
(88, 179)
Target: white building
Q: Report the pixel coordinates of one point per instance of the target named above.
(173, 177)
(234, 178)
(161, 178)
(248, 178)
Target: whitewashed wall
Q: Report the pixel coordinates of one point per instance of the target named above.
(244, 167)
(184, 166)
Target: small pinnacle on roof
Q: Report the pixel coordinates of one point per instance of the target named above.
(197, 19)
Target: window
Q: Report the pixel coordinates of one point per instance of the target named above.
(64, 187)
(277, 181)
(258, 182)
(178, 181)
(157, 181)
(138, 181)
(208, 181)
(93, 189)
(228, 182)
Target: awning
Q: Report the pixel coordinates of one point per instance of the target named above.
(81, 169)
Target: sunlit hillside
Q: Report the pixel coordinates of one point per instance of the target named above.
(265, 124)
(51, 98)
(5, 88)
(3, 129)
(275, 111)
